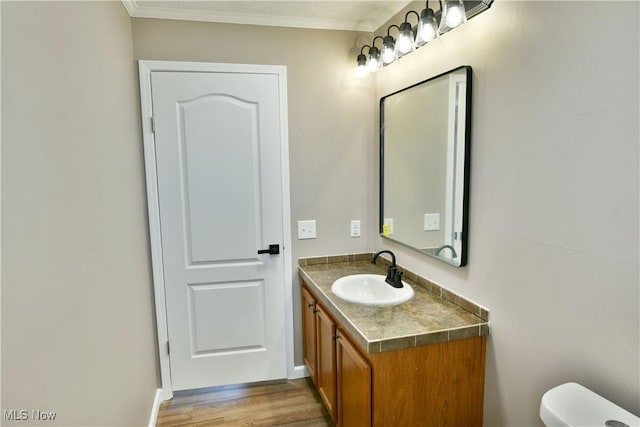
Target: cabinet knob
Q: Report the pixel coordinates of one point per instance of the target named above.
(310, 304)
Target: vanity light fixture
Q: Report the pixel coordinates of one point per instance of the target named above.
(406, 41)
(431, 25)
(454, 15)
(362, 62)
(427, 27)
(374, 57)
(389, 47)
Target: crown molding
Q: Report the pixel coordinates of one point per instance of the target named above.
(130, 6)
(392, 10)
(135, 10)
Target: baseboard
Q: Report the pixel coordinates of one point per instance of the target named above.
(299, 371)
(155, 408)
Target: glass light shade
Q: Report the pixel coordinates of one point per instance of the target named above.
(453, 15)
(362, 69)
(405, 39)
(427, 27)
(388, 50)
(374, 59)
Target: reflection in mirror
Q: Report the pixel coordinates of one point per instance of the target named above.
(424, 165)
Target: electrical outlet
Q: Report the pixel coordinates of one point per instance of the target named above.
(355, 228)
(432, 222)
(307, 229)
(387, 226)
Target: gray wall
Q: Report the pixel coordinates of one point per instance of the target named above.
(77, 317)
(553, 237)
(332, 138)
(554, 195)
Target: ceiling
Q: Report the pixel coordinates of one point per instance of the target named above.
(356, 15)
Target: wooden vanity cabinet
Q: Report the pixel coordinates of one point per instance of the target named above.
(341, 374)
(309, 333)
(439, 384)
(326, 360)
(354, 384)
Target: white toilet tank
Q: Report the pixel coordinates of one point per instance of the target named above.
(572, 405)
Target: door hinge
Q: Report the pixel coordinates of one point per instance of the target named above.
(168, 347)
(153, 124)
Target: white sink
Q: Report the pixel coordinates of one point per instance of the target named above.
(370, 289)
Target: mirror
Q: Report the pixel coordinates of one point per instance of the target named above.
(425, 132)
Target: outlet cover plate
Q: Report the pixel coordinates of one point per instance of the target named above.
(387, 227)
(355, 228)
(432, 222)
(307, 229)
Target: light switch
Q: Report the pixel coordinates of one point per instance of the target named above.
(307, 229)
(432, 222)
(355, 228)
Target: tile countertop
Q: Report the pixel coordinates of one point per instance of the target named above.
(433, 315)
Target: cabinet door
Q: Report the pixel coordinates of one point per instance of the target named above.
(354, 385)
(326, 361)
(309, 333)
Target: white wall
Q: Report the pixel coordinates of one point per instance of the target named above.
(77, 313)
(553, 237)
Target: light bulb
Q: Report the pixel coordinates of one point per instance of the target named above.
(388, 55)
(405, 39)
(388, 50)
(454, 16)
(374, 64)
(361, 70)
(404, 44)
(374, 59)
(427, 32)
(427, 27)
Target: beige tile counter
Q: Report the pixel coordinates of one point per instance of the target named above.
(433, 315)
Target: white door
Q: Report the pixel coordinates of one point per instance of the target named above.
(220, 198)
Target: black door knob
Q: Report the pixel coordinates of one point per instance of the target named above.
(273, 250)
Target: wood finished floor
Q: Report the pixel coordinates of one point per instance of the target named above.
(291, 403)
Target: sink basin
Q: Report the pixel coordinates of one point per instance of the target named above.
(370, 289)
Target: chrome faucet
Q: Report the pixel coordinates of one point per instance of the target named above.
(453, 251)
(394, 277)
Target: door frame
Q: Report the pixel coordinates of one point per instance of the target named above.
(145, 68)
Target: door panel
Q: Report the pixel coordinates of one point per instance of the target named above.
(230, 312)
(220, 145)
(218, 157)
